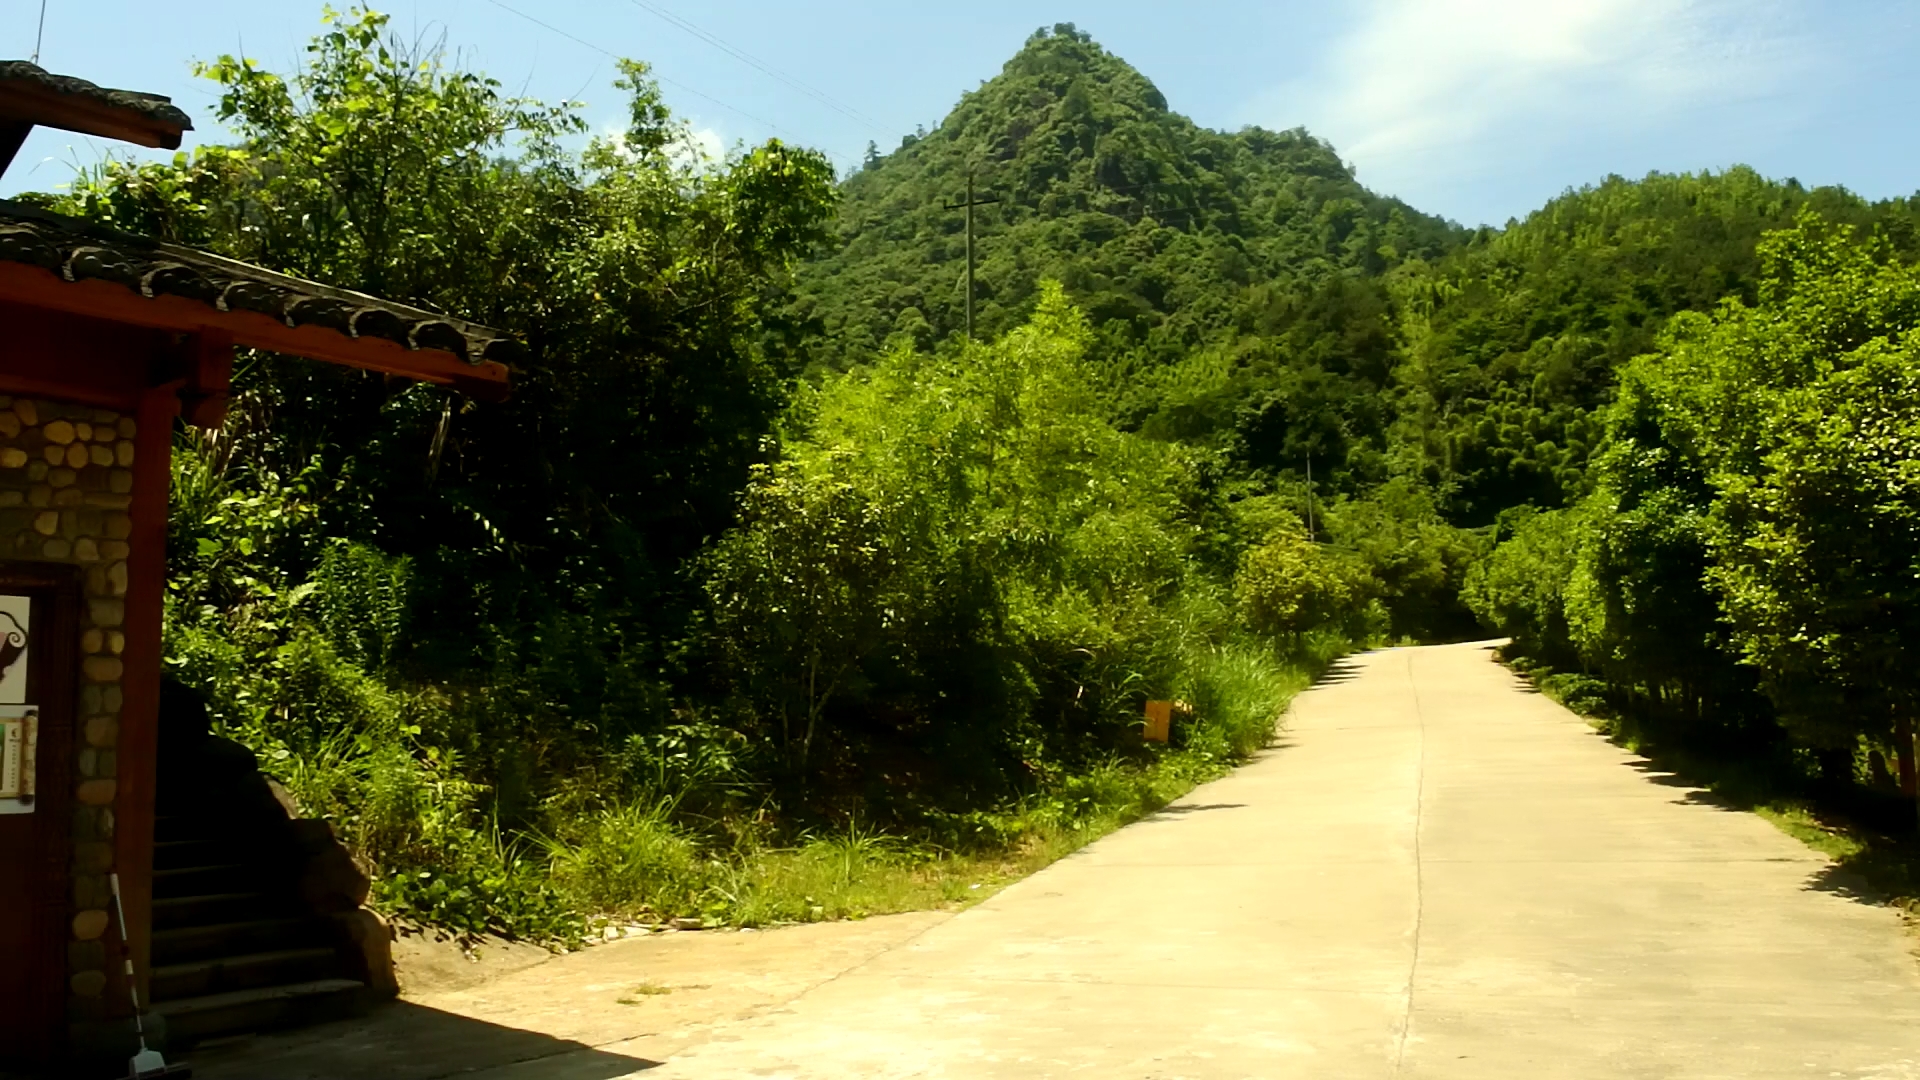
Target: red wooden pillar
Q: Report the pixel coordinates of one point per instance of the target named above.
(140, 706)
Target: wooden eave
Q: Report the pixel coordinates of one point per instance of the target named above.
(66, 265)
(23, 101)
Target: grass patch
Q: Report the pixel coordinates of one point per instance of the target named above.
(643, 991)
(1888, 864)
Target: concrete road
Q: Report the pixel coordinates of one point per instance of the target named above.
(1438, 874)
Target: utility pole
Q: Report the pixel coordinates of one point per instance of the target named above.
(968, 206)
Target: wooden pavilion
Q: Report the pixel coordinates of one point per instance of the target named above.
(107, 341)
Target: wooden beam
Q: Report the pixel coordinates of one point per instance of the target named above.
(43, 105)
(13, 134)
(27, 284)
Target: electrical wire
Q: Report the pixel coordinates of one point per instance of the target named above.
(670, 82)
(762, 66)
(40, 33)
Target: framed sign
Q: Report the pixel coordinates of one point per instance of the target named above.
(16, 632)
(19, 721)
(19, 749)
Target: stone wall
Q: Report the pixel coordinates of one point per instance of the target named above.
(66, 483)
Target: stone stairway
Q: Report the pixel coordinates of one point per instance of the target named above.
(237, 947)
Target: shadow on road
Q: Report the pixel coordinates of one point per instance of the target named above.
(403, 1041)
(1880, 870)
(1342, 670)
(1175, 811)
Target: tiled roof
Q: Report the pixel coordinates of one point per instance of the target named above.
(34, 83)
(78, 251)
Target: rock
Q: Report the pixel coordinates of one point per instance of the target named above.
(13, 457)
(330, 881)
(685, 923)
(28, 415)
(103, 731)
(47, 522)
(123, 454)
(93, 858)
(102, 668)
(59, 431)
(285, 798)
(9, 425)
(107, 612)
(96, 792)
(371, 952)
(56, 549)
(88, 983)
(127, 427)
(89, 924)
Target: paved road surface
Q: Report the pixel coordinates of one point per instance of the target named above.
(1439, 874)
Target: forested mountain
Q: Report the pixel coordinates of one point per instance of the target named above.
(1228, 276)
(1249, 295)
(1508, 345)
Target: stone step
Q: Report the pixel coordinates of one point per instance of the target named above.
(187, 943)
(205, 880)
(176, 912)
(283, 967)
(184, 854)
(263, 1008)
(182, 828)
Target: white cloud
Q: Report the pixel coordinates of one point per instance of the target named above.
(1417, 87)
(696, 148)
(700, 146)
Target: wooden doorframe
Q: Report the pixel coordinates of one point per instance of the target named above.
(33, 994)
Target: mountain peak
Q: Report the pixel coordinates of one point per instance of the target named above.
(1096, 182)
(1061, 57)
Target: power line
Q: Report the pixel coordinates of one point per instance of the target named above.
(670, 82)
(760, 65)
(39, 33)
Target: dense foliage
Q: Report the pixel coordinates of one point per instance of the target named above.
(763, 567)
(608, 644)
(1746, 560)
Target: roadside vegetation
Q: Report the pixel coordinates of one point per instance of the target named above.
(768, 597)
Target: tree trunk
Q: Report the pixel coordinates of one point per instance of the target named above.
(1903, 749)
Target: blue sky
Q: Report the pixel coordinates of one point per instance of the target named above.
(1475, 109)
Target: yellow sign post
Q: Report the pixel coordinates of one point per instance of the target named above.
(1159, 720)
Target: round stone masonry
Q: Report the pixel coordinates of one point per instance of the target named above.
(66, 484)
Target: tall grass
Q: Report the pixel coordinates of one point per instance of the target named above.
(671, 826)
(637, 861)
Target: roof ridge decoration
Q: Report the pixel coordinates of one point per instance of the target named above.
(79, 251)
